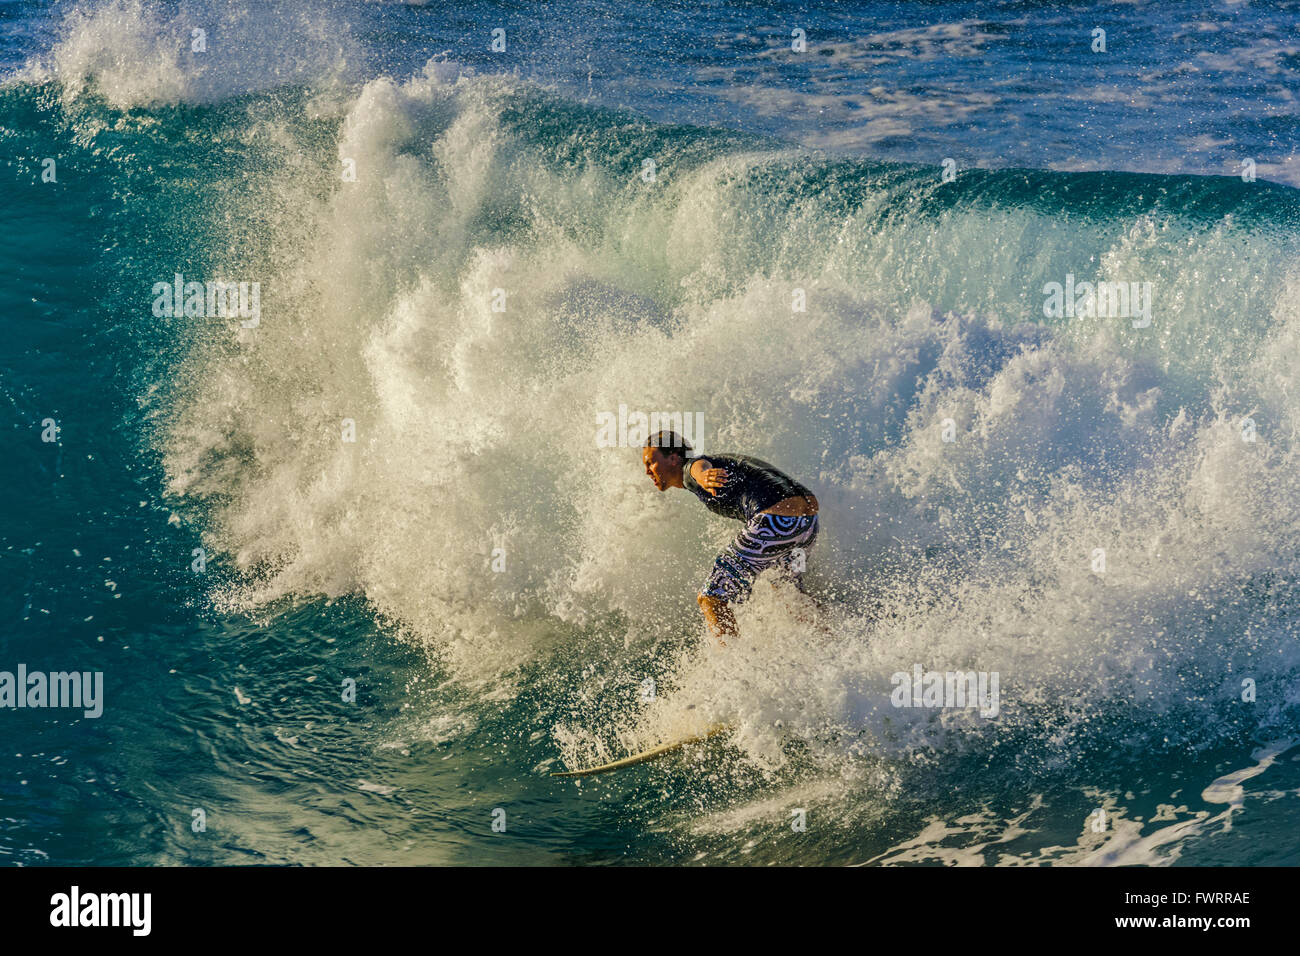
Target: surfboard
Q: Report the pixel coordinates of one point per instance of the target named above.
(651, 754)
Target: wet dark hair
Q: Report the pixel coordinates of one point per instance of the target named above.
(670, 442)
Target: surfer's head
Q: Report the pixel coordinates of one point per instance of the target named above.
(663, 456)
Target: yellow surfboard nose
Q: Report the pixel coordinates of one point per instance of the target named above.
(659, 751)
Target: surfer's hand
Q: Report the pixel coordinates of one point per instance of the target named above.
(714, 480)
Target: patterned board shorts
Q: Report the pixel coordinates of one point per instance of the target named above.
(766, 542)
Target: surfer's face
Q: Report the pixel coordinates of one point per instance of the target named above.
(660, 467)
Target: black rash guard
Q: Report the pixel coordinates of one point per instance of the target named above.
(752, 486)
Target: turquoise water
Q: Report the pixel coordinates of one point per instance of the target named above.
(371, 561)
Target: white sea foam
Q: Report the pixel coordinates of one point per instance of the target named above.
(475, 431)
(140, 53)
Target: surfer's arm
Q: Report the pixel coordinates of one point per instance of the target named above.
(709, 478)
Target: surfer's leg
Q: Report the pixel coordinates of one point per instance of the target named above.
(767, 541)
(730, 582)
(792, 550)
(780, 544)
(794, 565)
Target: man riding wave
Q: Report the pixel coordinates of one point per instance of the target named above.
(780, 517)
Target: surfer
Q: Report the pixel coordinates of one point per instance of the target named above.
(780, 517)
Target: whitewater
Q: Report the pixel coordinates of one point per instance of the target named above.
(394, 475)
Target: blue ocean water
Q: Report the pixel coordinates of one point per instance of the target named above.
(357, 574)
